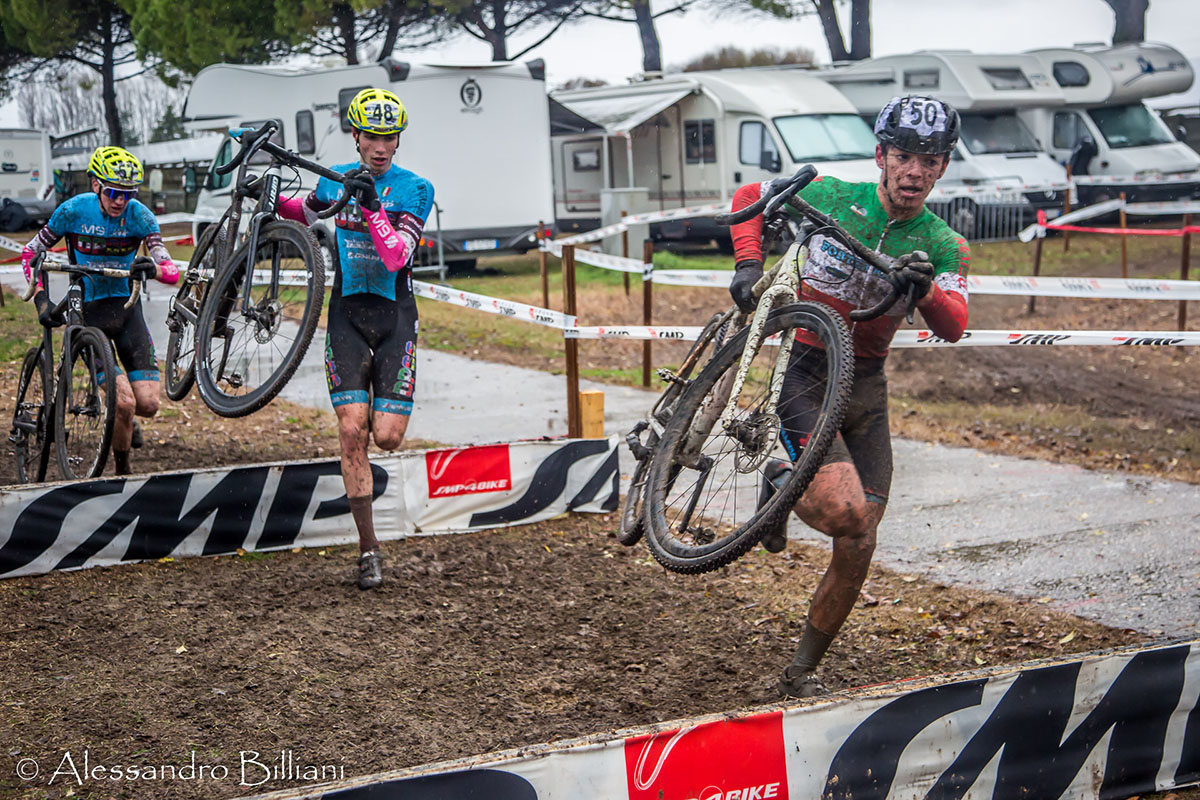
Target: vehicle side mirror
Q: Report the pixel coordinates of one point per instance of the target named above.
(1085, 150)
(770, 162)
(1181, 133)
(189, 180)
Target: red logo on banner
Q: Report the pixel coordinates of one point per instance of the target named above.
(469, 470)
(732, 760)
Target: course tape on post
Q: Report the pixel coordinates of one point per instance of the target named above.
(494, 305)
(640, 219)
(602, 260)
(1164, 208)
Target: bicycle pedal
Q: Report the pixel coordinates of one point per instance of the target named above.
(670, 377)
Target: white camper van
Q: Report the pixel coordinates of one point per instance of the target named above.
(1103, 92)
(996, 146)
(26, 173)
(693, 138)
(480, 134)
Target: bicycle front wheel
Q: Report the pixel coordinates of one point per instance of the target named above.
(85, 408)
(180, 371)
(30, 418)
(247, 351)
(701, 490)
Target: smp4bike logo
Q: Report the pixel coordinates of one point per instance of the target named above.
(469, 470)
(740, 759)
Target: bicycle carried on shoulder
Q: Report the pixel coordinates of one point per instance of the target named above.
(248, 304)
(80, 420)
(694, 492)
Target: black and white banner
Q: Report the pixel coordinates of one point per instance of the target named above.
(1097, 726)
(298, 504)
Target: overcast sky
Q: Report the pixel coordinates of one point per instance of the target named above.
(611, 51)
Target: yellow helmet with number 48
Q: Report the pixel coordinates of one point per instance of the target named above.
(116, 166)
(377, 111)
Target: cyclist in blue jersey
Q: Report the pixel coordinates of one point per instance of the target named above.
(371, 336)
(105, 228)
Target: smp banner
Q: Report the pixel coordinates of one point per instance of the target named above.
(298, 504)
(1096, 726)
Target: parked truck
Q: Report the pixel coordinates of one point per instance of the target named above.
(26, 174)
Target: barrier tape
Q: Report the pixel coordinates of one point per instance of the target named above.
(1126, 231)
(494, 305)
(1130, 180)
(1163, 208)
(602, 260)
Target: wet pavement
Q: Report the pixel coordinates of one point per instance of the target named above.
(1118, 549)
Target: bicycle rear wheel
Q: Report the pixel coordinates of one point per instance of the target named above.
(180, 371)
(85, 408)
(30, 418)
(703, 481)
(245, 356)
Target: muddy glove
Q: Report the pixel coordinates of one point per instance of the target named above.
(914, 270)
(143, 269)
(741, 289)
(250, 188)
(361, 184)
(45, 311)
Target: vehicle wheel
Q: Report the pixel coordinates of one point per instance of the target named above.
(180, 371)
(85, 407)
(701, 490)
(30, 418)
(244, 357)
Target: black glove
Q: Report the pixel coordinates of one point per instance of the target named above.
(45, 311)
(914, 270)
(741, 289)
(362, 184)
(248, 187)
(142, 269)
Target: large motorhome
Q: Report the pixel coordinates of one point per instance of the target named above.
(693, 138)
(1103, 108)
(479, 133)
(26, 174)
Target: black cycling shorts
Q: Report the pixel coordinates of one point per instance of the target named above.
(863, 439)
(371, 348)
(127, 330)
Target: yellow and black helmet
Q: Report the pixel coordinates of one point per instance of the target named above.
(377, 111)
(116, 166)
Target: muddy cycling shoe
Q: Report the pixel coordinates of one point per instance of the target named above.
(774, 476)
(370, 570)
(135, 441)
(800, 682)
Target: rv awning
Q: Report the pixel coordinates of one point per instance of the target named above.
(621, 114)
(563, 121)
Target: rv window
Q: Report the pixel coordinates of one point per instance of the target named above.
(997, 133)
(754, 142)
(1133, 125)
(826, 137)
(1071, 73)
(224, 156)
(1005, 79)
(921, 79)
(306, 137)
(586, 160)
(1067, 130)
(700, 137)
(344, 98)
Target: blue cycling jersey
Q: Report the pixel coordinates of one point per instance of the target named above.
(401, 193)
(101, 240)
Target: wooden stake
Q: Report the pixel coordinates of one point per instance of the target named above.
(1037, 267)
(542, 254)
(625, 251)
(1124, 242)
(574, 425)
(591, 412)
(1184, 258)
(647, 304)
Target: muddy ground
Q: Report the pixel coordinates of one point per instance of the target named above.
(488, 641)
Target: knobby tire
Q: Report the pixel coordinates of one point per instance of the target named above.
(85, 407)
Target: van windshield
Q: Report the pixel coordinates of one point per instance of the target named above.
(826, 137)
(997, 133)
(1133, 125)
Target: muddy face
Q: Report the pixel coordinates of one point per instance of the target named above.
(907, 180)
(376, 151)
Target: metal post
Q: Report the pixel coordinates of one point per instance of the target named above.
(542, 255)
(441, 249)
(625, 250)
(1067, 210)
(1124, 242)
(1037, 266)
(647, 304)
(1185, 257)
(574, 420)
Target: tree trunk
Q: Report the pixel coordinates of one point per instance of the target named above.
(498, 34)
(392, 32)
(108, 85)
(833, 30)
(860, 29)
(343, 16)
(651, 48)
(1131, 20)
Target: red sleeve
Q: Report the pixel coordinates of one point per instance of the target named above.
(945, 312)
(747, 236)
